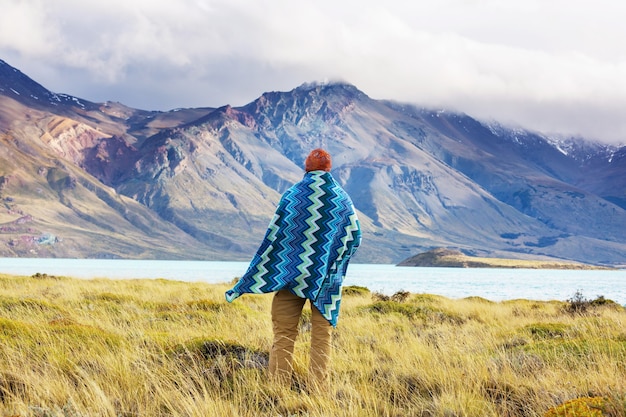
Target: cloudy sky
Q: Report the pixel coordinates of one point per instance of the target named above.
(549, 65)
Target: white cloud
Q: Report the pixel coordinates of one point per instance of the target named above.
(24, 28)
(553, 65)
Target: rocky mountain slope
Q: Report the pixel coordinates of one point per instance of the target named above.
(104, 180)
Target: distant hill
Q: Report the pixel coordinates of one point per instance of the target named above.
(448, 258)
(84, 179)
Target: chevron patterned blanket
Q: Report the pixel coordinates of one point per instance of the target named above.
(307, 246)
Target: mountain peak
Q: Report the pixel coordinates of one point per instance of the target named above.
(18, 86)
(327, 100)
(334, 86)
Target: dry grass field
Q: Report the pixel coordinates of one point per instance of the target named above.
(71, 347)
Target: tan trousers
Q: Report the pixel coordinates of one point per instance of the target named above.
(286, 311)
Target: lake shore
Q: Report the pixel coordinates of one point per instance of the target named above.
(156, 347)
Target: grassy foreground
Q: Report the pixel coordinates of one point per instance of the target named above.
(72, 347)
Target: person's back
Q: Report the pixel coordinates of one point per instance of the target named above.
(305, 255)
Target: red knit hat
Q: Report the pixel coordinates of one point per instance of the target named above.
(318, 160)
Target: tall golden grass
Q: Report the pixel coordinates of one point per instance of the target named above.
(101, 347)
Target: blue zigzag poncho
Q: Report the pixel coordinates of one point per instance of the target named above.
(307, 246)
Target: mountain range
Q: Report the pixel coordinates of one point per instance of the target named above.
(81, 179)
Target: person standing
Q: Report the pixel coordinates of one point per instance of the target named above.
(304, 255)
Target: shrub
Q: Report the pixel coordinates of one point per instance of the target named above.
(399, 297)
(39, 275)
(377, 296)
(579, 304)
(355, 290)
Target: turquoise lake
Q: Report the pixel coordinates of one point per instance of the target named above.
(492, 284)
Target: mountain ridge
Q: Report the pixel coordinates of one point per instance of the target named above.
(211, 177)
